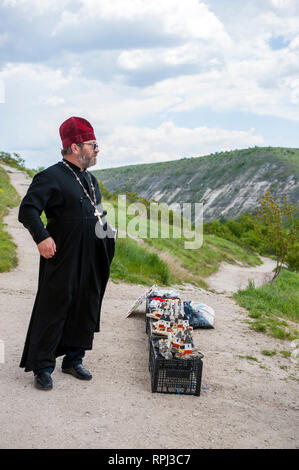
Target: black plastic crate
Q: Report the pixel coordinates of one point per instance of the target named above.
(180, 376)
(148, 325)
(147, 301)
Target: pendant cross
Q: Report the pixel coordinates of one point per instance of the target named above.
(98, 215)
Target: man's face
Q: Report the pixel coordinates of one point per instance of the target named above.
(88, 154)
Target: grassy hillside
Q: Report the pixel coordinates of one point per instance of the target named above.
(8, 198)
(162, 260)
(227, 183)
(274, 307)
(183, 265)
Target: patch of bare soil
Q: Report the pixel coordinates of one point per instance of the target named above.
(231, 277)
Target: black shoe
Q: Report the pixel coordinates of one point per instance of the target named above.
(43, 381)
(79, 372)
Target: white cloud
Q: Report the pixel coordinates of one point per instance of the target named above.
(282, 4)
(4, 38)
(197, 55)
(249, 85)
(188, 19)
(169, 142)
(2, 91)
(38, 75)
(31, 108)
(37, 7)
(294, 44)
(189, 53)
(110, 111)
(50, 100)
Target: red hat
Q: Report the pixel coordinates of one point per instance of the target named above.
(75, 130)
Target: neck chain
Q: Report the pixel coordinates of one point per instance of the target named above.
(92, 202)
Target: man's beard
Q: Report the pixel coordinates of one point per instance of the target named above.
(86, 162)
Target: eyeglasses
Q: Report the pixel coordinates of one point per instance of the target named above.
(95, 145)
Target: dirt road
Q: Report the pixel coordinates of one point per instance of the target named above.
(244, 403)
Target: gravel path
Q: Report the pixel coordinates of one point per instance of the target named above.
(244, 403)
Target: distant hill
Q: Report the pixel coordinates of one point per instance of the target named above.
(227, 183)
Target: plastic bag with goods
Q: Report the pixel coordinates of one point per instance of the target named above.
(199, 315)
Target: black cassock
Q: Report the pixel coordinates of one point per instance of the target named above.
(71, 285)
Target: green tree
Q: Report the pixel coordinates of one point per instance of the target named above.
(278, 232)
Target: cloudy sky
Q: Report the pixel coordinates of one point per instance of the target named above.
(158, 79)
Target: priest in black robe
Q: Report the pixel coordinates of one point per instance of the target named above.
(74, 261)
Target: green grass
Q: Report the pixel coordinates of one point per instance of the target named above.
(197, 263)
(285, 353)
(133, 264)
(158, 260)
(267, 352)
(205, 261)
(249, 358)
(8, 198)
(274, 307)
(15, 161)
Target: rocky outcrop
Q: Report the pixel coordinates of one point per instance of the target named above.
(228, 184)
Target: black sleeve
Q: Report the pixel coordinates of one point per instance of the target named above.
(42, 193)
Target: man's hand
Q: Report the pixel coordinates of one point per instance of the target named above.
(47, 248)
